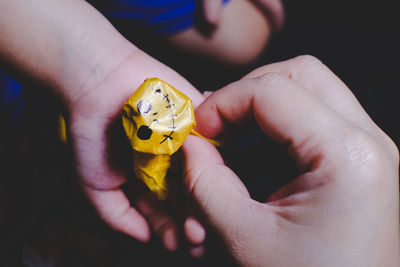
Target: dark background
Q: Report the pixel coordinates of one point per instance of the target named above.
(358, 40)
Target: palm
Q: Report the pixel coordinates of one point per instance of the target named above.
(103, 155)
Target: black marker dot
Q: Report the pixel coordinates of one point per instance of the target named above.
(144, 132)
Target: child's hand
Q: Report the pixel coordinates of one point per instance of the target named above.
(273, 8)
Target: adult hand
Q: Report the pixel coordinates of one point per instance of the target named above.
(342, 209)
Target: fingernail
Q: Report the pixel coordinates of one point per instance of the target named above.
(170, 240)
(197, 252)
(194, 231)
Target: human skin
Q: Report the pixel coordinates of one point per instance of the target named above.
(71, 47)
(241, 29)
(272, 8)
(342, 209)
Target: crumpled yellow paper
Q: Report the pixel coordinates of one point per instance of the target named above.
(157, 118)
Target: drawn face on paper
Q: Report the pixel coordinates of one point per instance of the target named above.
(157, 118)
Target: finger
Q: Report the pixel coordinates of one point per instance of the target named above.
(314, 76)
(212, 11)
(285, 111)
(159, 219)
(197, 251)
(114, 208)
(194, 231)
(196, 235)
(216, 190)
(275, 11)
(221, 196)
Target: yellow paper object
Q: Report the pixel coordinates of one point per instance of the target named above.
(157, 118)
(62, 129)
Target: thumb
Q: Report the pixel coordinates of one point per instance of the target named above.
(212, 11)
(216, 189)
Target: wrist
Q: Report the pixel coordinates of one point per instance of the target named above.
(113, 79)
(65, 44)
(90, 79)
(103, 93)
(94, 57)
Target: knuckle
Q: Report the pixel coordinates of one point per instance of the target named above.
(305, 65)
(271, 86)
(371, 165)
(368, 156)
(269, 80)
(395, 153)
(307, 61)
(392, 149)
(361, 148)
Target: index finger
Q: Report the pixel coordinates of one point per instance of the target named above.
(114, 208)
(285, 111)
(314, 76)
